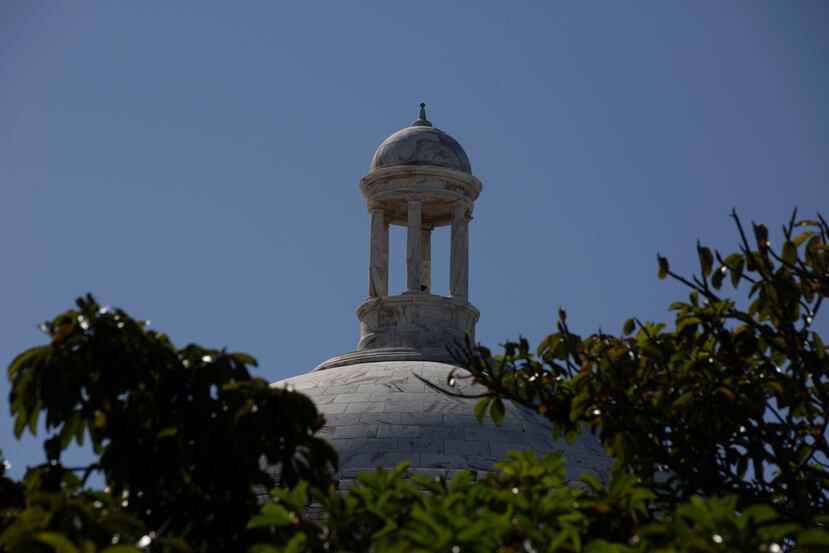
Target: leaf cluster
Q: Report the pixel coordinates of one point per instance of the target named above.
(527, 506)
(182, 437)
(731, 399)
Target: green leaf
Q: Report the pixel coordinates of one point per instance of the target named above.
(602, 546)
(761, 233)
(818, 345)
(20, 424)
(264, 548)
(480, 408)
(706, 259)
(630, 325)
(737, 271)
(70, 429)
(812, 536)
(272, 514)
(121, 548)
(686, 321)
(34, 416)
(813, 243)
(21, 360)
(497, 411)
(789, 253)
(244, 358)
(59, 542)
(718, 276)
(800, 238)
(683, 400)
(166, 432)
(760, 513)
(591, 480)
(663, 266)
(296, 544)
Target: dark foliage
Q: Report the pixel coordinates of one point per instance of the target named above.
(718, 425)
(526, 506)
(182, 437)
(734, 399)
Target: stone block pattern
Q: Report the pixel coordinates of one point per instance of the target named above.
(379, 414)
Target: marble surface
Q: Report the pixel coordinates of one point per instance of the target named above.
(414, 247)
(459, 254)
(379, 414)
(415, 321)
(421, 146)
(378, 264)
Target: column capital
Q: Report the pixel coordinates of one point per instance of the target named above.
(373, 205)
(461, 212)
(462, 209)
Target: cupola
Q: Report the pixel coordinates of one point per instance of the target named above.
(420, 178)
(421, 144)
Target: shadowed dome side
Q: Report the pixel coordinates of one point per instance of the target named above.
(421, 144)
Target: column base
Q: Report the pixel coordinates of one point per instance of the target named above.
(415, 321)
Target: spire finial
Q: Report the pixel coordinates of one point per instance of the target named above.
(421, 118)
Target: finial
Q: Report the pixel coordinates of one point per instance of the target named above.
(421, 118)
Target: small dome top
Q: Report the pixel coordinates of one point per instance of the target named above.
(421, 144)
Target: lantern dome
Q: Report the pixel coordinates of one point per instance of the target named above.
(421, 144)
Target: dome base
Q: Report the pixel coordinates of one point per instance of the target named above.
(381, 413)
(381, 355)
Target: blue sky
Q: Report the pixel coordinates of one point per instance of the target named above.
(196, 163)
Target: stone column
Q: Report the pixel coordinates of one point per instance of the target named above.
(426, 245)
(414, 249)
(378, 261)
(386, 253)
(459, 255)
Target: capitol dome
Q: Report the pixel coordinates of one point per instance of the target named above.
(379, 406)
(381, 414)
(421, 144)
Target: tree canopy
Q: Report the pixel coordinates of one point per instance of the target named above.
(717, 423)
(182, 437)
(732, 399)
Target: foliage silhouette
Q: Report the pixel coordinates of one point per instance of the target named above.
(718, 426)
(183, 437)
(687, 412)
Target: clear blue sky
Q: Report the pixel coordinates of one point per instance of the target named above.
(196, 163)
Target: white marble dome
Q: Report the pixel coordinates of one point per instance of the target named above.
(379, 414)
(421, 144)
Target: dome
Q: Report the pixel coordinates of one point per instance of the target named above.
(380, 414)
(379, 411)
(421, 144)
